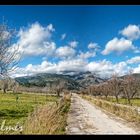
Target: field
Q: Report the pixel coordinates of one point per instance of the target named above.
(134, 101)
(15, 108)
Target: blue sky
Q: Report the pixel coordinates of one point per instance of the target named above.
(101, 39)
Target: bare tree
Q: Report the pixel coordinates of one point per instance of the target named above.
(105, 89)
(59, 87)
(130, 87)
(15, 87)
(5, 85)
(9, 56)
(48, 89)
(93, 90)
(89, 90)
(115, 86)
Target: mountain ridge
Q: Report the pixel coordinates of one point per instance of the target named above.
(75, 81)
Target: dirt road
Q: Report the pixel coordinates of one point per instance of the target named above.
(85, 118)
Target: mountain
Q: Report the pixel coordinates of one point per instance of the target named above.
(73, 80)
(44, 79)
(135, 75)
(86, 78)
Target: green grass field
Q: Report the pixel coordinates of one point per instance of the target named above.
(15, 108)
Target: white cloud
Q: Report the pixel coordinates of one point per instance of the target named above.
(106, 68)
(48, 67)
(73, 44)
(36, 40)
(136, 50)
(63, 36)
(50, 28)
(102, 68)
(49, 48)
(32, 41)
(96, 66)
(132, 32)
(65, 52)
(117, 45)
(92, 45)
(121, 68)
(137, 69)
(86, 55)
(72, 65)
(134, 60)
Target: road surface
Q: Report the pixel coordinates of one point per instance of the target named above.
(85, 118)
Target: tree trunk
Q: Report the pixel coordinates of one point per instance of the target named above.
(46, 97)
(4, 90)
(106, 96)
(129, 101)
(58, 93)
(117, 99)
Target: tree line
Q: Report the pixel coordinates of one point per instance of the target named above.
(127, 87)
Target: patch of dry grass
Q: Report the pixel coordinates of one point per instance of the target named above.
(126, 112)
(49, 119)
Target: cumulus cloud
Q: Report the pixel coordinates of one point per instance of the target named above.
(73, 44)
(36, 40)
(132, 32)
(117, 45)
(45, 66)
(106, 68)
(31, 69)
(63, 36)
(72, 65)
(137, 69)
(86, 55)
(97, 66)
(50, 28)
(134, 60)
(102, 68)
(65, 52)
(50, 48)
(32, 41)
(92, 45)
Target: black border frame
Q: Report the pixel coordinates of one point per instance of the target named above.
(63, 2)
(70, 2)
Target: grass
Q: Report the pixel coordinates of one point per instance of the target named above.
(123, 111)
(15, 108)
(49, 119)
(134, 101)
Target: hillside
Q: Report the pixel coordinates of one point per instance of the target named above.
(74, 81)
(135, 75)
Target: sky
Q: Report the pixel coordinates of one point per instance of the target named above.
(52, 39)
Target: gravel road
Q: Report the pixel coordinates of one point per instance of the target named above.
(85, 118)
